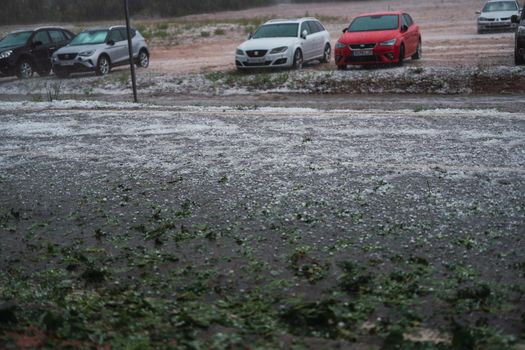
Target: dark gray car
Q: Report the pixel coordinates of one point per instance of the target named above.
(99, 50)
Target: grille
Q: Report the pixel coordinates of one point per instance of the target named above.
(267, 63)
(354, 59)
(489, 19)
(362, 46)
(256, 53)
(67, 56)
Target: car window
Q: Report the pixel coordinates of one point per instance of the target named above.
(313, 27)
(124, 33)
(116, 35)
(305, 26)
(375, 22)
(57, 36)
(320, 26)
(407, 20)
(501, 6)
(278, 30)
(42, 37)
(15, 39)
(68, 35)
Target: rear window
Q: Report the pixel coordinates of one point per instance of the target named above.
(369, 23)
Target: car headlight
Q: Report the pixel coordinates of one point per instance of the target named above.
(6, 54)
(483, 19)
(86, 53)
(389, 42)
(239, 52)
(279, 49)
(339, 45)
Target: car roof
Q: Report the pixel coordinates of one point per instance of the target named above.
(105, 28)
(385, 13)
(501, 0)
(35, 29)
(292, 20)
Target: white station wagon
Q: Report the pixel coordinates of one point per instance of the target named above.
(285, 43)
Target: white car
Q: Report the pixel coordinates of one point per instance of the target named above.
(497, 14)
(285, 43)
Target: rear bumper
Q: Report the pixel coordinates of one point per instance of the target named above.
(380, 55)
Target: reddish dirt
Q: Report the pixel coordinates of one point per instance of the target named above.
(448, 27)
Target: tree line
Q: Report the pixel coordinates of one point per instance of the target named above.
(40, 11)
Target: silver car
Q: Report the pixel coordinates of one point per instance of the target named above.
(497, 14)
(99, 50)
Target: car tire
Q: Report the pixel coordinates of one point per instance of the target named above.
(419, 51)
(481, 31)
(24, 69)
(518, 59)
(298, 59)
(103, 65)
(342, 66)
(401, 59)
(143, 59)
(327, 54)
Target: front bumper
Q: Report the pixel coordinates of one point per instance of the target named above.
(379, 55)
(493, 25)
(79, 63)
(267, 61)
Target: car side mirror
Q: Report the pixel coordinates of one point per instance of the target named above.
(250, 36)
(345, 30)
(111, 42)
(514, 19)
(304, 34)
(478, 12)
(37, 43)
(404, 28)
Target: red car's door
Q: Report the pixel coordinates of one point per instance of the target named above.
(411, 36)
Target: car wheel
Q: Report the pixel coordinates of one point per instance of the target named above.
(143, 59)
(401, 55)
(342, 66)
(298, 59)
(419, 51)
(518, 59)
(24, 69)
(480, 31)
(327, 54)
(103, 65)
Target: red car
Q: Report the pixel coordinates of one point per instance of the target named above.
(377, 38)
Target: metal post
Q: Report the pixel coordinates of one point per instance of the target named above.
(130, 48)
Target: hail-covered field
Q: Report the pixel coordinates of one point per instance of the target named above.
(147, 226)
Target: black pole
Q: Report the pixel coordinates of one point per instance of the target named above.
(130, 49)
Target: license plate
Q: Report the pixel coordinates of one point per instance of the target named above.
(363, 52)
(67, 63)
(256, 60)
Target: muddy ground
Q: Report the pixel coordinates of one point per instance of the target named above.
(373, 208)
(135, 226)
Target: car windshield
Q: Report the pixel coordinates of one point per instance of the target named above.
(15, 39)
(500, 6)
(283, 30)
(90, 37)
(368, 23)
